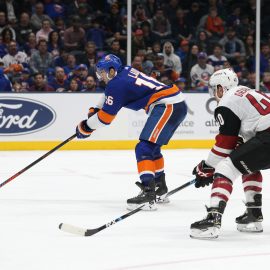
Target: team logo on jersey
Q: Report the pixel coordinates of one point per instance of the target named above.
(107, 58)
(21, 116)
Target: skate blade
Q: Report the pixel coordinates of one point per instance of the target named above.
(207, 234)
(162, 199)
(253, 227)
(148, 206)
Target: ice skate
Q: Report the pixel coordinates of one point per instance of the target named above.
(208, 228)
(146, 196)
(161, 189)
(251, 220)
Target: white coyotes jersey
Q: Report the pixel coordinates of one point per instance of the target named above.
(251, 107)
(241, 111)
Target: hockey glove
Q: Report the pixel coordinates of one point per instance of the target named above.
(83, 130)
(204, 174)
(240, 141)
(92, 111)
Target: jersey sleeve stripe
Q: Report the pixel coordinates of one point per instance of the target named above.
(105, 118)
(162, 94)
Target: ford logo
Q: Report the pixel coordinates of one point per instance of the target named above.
(21, 116)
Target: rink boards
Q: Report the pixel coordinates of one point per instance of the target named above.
(40, 121)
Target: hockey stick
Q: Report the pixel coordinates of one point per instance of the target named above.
(88, 232)
(37, 160)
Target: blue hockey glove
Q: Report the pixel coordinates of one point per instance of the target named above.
(92, 111)
(204, 174)
(83, 130)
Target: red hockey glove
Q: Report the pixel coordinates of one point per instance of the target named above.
(92, 111)
(83, 130)
(204, 174)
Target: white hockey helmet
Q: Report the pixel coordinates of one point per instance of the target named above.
(226, 78)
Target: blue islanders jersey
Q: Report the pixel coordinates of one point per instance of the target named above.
(134, 90)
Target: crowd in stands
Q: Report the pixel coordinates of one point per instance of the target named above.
(53, 45)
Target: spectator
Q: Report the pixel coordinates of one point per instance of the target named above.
(14, 56)
(5, 83)
(80, 74)
(90, 85)
(180, 27)
(203, 42)
(170, 8)
(214, 25)
(40, 85)
(171, 59)
(193, 17)
(25, 80)
(148, 36)
(45, 30)
(251, 80)
(23, 28)
(54, 9)
(11, 9)
(17, 87)
(241, 70)
(74, 86)
(264, 58)
(7, 37)
(121, 34)
(137, 63)
(113, 22)
(190, 61)
(201, 72)
(183, 50)
(160, 24)
(265, 84)
(89, 56)
(39, 16)
(152, 53)
(217, 60)
(249, 47)
(54, 44)
(150, 8)
(162, 72)
(233, 46)
(233, 20)
(74, 36)
(147, 64)
(60, 27)
(41, 59)
(31, 45)
(246, 27)
(137, 42)
(96, 34)
(59, 83)
(116, 50)
(84, 12)
(71, 65)
(139, 16)
(3, 21)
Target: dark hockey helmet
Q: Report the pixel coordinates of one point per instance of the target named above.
(106, 63)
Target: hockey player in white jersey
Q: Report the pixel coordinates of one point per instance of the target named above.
(245, 112)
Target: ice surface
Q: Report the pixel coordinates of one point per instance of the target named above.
(89, 189)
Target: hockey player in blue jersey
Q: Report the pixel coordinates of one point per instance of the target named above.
(166, 109)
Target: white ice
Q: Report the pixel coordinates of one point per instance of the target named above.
(89, 189)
